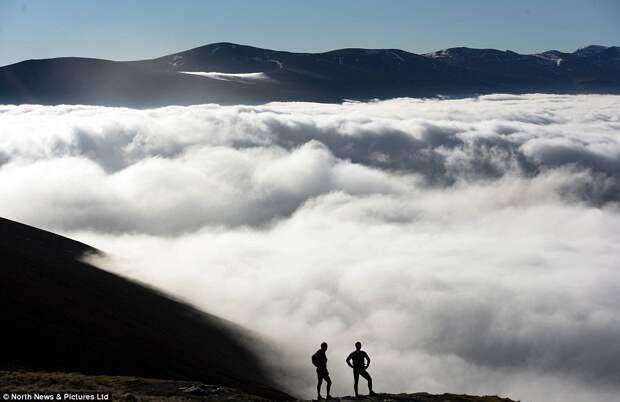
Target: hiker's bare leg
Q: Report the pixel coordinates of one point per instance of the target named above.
(369, 379)
(329, 385)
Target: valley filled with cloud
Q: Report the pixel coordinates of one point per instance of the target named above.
(472, 245)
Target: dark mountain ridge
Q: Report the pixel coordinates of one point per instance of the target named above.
(253, 75)
(62, 314)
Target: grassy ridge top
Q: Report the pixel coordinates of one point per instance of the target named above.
(146, 389)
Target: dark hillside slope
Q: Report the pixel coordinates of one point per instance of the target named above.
(72, 80)
(61, 314)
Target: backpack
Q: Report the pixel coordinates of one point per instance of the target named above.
(315, 359)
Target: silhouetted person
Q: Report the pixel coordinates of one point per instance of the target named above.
(359, 361)
(319, 359)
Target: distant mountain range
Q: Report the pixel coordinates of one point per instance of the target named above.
(228, 73)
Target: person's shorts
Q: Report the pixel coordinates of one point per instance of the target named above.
(357, 372)
(323, 374)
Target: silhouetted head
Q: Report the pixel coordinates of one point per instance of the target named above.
(358, 345)
(324, 346)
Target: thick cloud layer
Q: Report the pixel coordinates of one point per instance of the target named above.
(472, 244)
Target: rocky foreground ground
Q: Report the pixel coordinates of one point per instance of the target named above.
(145, 389)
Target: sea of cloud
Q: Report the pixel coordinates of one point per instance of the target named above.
(472, 245)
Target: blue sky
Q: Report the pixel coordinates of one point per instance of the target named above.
(131, 29)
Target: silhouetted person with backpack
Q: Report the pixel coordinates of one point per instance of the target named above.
(319, 359)
(359, 361)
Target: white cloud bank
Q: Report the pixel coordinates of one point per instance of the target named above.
(472, 245)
